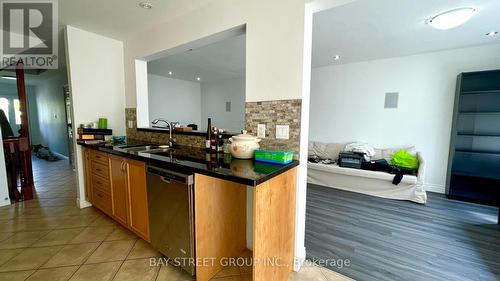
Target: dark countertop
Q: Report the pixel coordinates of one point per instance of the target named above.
(187, 159)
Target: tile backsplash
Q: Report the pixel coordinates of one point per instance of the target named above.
(270, 113)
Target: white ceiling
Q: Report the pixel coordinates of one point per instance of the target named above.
(222, 60)
(119, 18)
(369, 29)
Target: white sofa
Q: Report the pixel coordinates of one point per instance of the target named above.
(363, 181)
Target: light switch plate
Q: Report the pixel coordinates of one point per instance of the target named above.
(261, 130)
(282, 132)
(130, 124)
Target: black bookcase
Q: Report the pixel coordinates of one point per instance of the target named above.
(474, 161)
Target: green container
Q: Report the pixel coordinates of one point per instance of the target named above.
(275, 157)
(103, 123)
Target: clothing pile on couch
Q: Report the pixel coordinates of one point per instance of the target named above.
(363, 156)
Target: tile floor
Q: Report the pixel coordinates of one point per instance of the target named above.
(49, 238)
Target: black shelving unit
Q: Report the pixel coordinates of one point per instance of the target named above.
(474, 160)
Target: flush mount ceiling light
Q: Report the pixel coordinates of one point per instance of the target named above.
(146, 5)
(170, 73)
(336, 57)
(198, 78)
(451, 19)
(492, 33)
(8, 77)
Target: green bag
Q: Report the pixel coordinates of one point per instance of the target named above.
(404, 159)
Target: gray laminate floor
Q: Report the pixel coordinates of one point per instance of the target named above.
(399, 240)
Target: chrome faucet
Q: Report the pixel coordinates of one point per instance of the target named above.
(169, 126)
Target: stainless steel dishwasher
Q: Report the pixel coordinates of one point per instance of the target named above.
(171, 215)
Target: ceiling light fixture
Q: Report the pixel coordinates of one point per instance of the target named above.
(146, 5)
(198, 78)
(336, 57)
(8, 77)
(451, 19)
(170, 73)
(492, 33)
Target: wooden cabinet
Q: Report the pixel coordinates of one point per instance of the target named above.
(138, 198)
(118, 175)
(117, 186)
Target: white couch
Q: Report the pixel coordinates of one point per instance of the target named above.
(363, 181)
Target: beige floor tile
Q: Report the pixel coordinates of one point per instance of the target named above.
(171, 273)
(31, 258)
(5, 235)
(96, 272)
(22, 239)
(53, 274)
(74, 254)
(111, 251)
(121, 233)
(103, 221)
(93, 234)
(15, 276)
(132, 270)
(58, 237)
(142, 249)
(334, 276)
(309, 273)
(6, 255)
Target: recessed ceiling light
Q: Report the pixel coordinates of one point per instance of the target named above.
(451, 19)
(146, 5)
(198, 78)
(336, 57)
(170, 73)
(8, 77)
(492, 33)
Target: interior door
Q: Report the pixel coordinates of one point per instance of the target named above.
(119, 197)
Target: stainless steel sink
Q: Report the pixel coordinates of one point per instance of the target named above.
(142, 148)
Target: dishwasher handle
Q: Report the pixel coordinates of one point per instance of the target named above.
(169, 176)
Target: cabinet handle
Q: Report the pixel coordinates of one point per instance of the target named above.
(99, 170)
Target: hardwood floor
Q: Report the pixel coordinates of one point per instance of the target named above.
(399, 240)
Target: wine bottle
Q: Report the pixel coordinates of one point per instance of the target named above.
(208, 137)
(220, 142)
(213, 141)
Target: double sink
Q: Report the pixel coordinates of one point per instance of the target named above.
(137, 149)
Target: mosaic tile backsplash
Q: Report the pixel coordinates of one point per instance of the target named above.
(270, 113)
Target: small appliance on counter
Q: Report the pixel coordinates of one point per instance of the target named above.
(243, 146)
(92, 136)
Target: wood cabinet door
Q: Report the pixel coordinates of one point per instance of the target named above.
(118, 181)
(138, 198)
(88, 174)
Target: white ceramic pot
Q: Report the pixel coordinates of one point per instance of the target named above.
(243, 146)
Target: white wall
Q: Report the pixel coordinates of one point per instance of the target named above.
(347, 102)
(214, 96)
(51, 113)
(96, 79)
(174, 100)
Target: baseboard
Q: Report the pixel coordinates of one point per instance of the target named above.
(83, 203)
(300, 257)
(60, 155)
(435, 188)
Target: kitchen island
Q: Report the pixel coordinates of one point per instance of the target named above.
(238, 205)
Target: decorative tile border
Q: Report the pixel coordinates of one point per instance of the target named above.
(270, 113)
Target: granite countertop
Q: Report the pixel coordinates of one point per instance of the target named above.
(187, 159)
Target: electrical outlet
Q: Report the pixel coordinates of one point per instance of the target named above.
(282, 132)
(261, 131)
